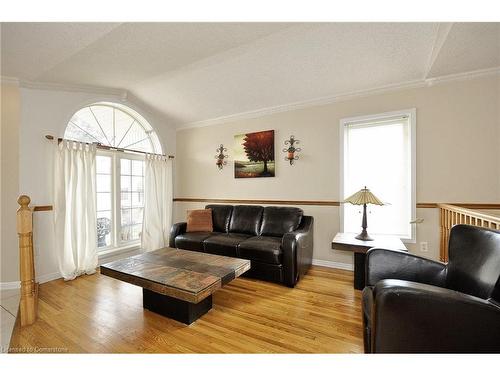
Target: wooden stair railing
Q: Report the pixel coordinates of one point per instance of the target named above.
(450, 215)
(28, 305)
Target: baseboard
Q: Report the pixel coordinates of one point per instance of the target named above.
(49, 277)
(9, 285)
(40, 279)
(330, 264)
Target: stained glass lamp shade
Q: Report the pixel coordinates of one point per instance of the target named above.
(364, 197)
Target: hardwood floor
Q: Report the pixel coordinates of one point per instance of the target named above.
(95, 313)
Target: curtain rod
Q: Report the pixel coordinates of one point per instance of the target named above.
(104, 147)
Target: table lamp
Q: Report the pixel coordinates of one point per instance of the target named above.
(364, 197)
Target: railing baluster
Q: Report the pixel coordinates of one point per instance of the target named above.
(29, 289)
(442, 234)
(452, 215)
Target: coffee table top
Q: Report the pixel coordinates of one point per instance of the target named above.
(186, 275)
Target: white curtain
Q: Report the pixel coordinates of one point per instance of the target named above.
(75, 208)
(157, 202)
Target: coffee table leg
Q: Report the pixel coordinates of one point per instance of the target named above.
(173, 308)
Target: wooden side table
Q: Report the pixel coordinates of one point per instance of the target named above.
(347, 242)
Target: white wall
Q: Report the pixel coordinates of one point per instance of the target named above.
(458, 130)
(47, 112)
(9, 181)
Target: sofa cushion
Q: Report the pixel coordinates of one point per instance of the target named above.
(246, 220)
(192, 240)
(276, 221)
(199, 221)
(224, 244)
(261, 248)
(221, 214)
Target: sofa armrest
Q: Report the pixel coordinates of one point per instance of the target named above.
(409, 317)
(392, 264)
(297, 249)
(177, 228)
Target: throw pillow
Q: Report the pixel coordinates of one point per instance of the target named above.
(199, 221)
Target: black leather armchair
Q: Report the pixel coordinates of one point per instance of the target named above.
(416, 305)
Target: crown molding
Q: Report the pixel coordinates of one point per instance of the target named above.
(463, 76)
(122, 93)
(339, 98)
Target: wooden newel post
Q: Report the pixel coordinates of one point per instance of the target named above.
(29, 289)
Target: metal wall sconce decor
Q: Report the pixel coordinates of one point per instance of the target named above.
(221, 162)
(291, 150)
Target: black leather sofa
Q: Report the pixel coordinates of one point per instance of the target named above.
(416, 305)
(277, 240)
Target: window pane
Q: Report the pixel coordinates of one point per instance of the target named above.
(103, 182)
(122, 124)
(137, 216)
(103, 164)
(85, 121)
(137, 166)
(126, 200)
(135, 135)
(74, 132)
(126, 233)
(103, 201)
(137, 184)
(104, 116)
(125, 166)
(126, 217)
(104, 228)
(131, 233)
(126, 183)
(379, 157)
(143, 145)
(132, 199)
(136, 232)
(137, 199)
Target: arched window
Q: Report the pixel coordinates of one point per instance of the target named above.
(119, 175)
(113, 125)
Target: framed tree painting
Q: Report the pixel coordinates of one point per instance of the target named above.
(254, 154)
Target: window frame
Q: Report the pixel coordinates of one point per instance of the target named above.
(152, 135)
(117, 244)
(412, 120)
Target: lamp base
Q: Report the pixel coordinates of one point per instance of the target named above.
(363, 236)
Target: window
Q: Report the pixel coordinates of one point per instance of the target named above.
(113, 125)
(379, 152)
(119, 175)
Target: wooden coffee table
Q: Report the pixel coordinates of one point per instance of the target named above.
(177, 283)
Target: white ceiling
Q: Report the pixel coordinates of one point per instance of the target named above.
(197, 71)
